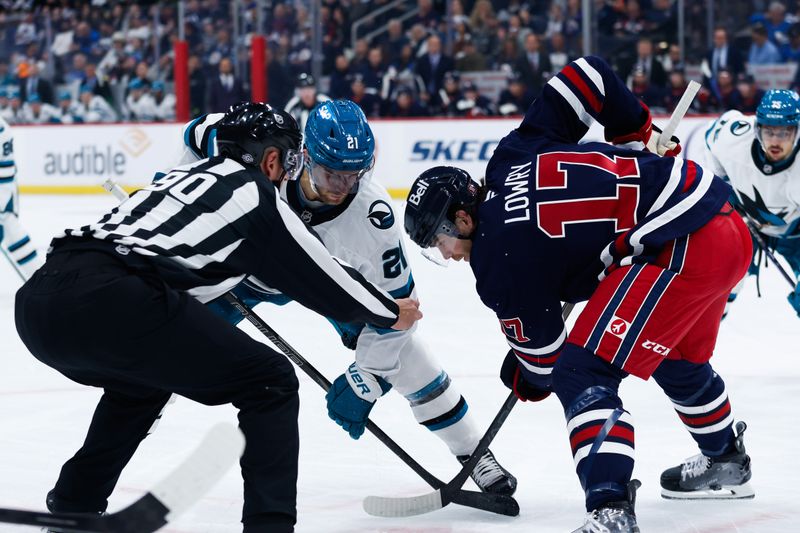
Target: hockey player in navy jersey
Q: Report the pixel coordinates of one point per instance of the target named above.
(757, 156)
(118, 304)
(14, 239)
(353, 216)
(649, 242)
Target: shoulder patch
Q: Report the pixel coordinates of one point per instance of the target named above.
(380, 215)
(740, 127)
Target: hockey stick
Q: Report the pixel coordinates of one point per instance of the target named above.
(220, 448)
(680, 110)
(14, 264)
(494, 503)
(763, 245)
(416, 505)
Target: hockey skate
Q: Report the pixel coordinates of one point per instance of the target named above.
(614, 517)
(715, 478)
(490, 476)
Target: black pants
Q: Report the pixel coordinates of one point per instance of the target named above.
(106, 322)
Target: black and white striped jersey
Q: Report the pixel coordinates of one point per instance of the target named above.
(208, 224)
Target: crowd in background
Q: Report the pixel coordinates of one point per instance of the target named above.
(105, 60)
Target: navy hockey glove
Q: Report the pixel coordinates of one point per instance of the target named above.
(351, 398)
(794, 299)
(511, 376)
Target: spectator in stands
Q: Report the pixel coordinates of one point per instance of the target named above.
(724, 95)
(762, 51)
(648, 64)
(164, 101)
(6, 76)
(660, 17)
(673, 60)
(517, 31)
(675, 88)
(3, 99)
(791, 50)
(483, 25)
(339, 86)
(534, 64)
(557, 52)
(433, 64)
(573, 26)
(305, 99)
(507, 57)
(75, 74)
(97, 83)
(37, 112)
(13, 112)
(197, 87)
(749, 93)
(426, 16)
(370, 103)
(394, 41)
(67, 108)
(280, 87)
(516, 98)
(225, 89)
(649, 93)
(402, 74)
(405, 105)
(470, 59)
(375, 70)
(722, 56)
(35, 84)
(631, 23)
(444, 101)
(139, 104)
(360, 53)
(473, 103)
(774, 20)
(417, 37)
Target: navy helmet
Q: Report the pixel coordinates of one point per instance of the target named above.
(340, 145)
(433, 200)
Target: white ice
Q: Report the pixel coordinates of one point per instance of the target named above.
(45, 416)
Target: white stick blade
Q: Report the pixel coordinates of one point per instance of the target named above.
(219, 450)
(398, 507)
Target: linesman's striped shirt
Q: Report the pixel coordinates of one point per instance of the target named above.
(208, 224)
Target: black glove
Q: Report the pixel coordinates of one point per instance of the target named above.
(511, 376)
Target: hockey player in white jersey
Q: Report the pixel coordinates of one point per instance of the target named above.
(757, 156)
(354, 218)
(14, 239)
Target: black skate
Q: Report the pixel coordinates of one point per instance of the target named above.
(711, 478)
(614, 517)
(490, 476)
(54, 505)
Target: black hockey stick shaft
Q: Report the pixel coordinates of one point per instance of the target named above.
(491, 432)
(763, 245)
(320, 379)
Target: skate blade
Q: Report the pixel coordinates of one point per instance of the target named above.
(727, 492)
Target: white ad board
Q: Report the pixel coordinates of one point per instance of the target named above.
(76, 159)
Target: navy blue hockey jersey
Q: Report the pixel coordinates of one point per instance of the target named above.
(559, 215)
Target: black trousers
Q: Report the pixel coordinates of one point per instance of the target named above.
(107, 321)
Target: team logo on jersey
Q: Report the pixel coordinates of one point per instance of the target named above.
(278, 119)
(618, 326)
(740, 127)
(122, 249)
(380, 215)
(305, 216)
(247, 158)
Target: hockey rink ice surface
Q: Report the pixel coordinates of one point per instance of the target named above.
(45, 417)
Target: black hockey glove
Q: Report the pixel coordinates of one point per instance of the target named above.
(511, 376)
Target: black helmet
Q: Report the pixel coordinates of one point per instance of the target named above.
(434, 198)
(306, 80)
(249, 128)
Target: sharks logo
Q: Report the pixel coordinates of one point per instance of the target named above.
(740, 127)
(380, 215)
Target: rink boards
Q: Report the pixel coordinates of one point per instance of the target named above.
(76, 159)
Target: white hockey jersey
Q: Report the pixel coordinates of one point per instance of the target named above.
(363, 231)
(769, 193)
(8, 170)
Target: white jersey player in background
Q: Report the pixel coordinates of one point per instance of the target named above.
(353, 216)
(757, 156)
(14, 239)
